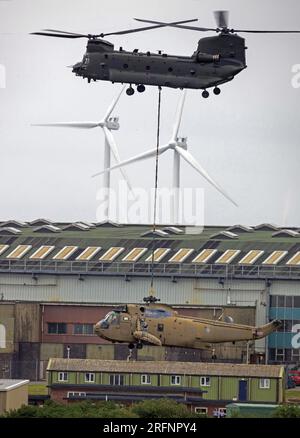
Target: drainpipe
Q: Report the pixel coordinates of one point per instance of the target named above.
(247, 353)
(267, 303)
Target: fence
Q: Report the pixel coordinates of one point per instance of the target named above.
(144, 269)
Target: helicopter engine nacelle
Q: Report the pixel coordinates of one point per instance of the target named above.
(226, 45)
(206, 57)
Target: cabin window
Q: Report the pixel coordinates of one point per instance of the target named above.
(160, 327)
(2, 336)
(62, 376)
(89, 377)
(148, 67)
(86, 60)
(175, 380)
(112, 318)
(204, 381)
(264, 383)
(145, 379)
(201, 410)
(76, 394)
(57, 328)
(125, 65)
(116, 379)
(157, 313)
(170, 69)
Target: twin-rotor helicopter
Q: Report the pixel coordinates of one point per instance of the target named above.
(216, 60)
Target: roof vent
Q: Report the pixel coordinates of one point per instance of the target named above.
(155, 233)
(9, 231)
(286, 233)
(224, 235)
(47, 229)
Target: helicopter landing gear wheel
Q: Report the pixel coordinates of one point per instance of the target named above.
(130, 350)
(217, 91)
(139, 345)
(130, 91)
(205, 94)
(141, 88)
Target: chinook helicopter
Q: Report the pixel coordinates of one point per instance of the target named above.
(216, 60)
(160, 324)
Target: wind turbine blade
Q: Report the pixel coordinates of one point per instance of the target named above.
(80, 125)
(113, 147)
(191, 160)
(113, 104)
(140, 157)
(178, 116)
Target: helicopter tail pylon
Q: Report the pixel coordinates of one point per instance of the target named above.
(265, 330)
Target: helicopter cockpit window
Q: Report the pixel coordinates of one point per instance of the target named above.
(157, 313)
(86, 60)
(112, 318)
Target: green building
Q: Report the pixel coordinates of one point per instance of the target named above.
(204, 387)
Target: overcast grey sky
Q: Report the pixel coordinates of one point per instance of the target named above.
(247, 138)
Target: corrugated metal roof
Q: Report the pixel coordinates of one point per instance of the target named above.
(163, 367)
(129, 237)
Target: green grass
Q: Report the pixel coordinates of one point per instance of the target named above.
(292, 393)
(37, 389)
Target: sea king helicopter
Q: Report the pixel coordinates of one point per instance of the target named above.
(216, 60)
(159, 324)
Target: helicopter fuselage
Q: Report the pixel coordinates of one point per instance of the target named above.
(217, 60)
(159, 324)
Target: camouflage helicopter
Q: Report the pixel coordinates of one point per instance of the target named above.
(216, 60)
(160, 324)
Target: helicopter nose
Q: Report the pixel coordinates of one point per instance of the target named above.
(77, 67)
(97, 330)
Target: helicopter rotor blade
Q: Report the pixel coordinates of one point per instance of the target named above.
(60, 35)
(141, 29)
(71, 35)
(221, 18)
(63, 32)
(180, 26)
(264, 31)
(218, 30)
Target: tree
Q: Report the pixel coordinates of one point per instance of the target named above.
(287, 411)
(162, 408)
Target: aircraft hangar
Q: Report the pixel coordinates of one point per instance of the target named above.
(58, 279)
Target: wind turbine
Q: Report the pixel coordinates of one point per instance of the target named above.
(107, 124)
(179, 147)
